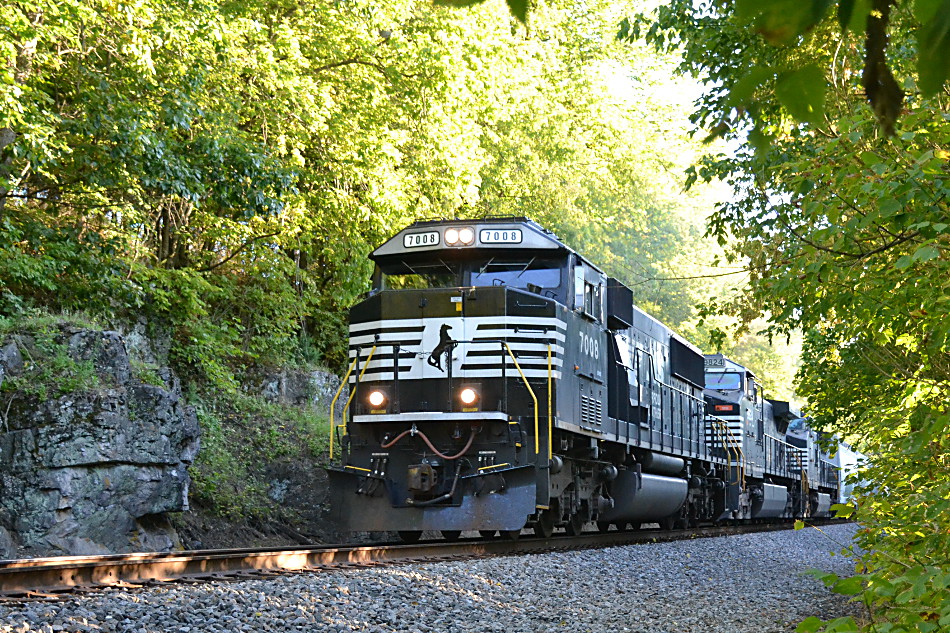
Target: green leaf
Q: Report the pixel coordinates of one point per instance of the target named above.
(849, 586)
(799, 525)
(842, 624)
(809, 625)
(925, 10)
(625, 30)
(890, 206)
(519, 9)
(845, 9)
(926, 253)
(802, 92)
(781, 21)
(859, 17)
(760, 140)
(458, 3)
(843, 510)
(934, 46)
(743, 89)
(853, 15)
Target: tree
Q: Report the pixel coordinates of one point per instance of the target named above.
(840, 212)
(226, 167)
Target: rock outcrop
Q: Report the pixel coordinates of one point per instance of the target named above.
(302, 388)
(95, 469)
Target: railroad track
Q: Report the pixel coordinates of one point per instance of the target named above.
(59, 578)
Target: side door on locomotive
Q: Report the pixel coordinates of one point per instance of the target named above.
(585, 396)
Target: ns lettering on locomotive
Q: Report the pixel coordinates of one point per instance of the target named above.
(499, 380)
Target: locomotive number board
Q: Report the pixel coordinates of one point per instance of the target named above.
(429, 238)
(500, 236)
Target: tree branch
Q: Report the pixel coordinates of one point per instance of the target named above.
(862, 255)
(237, 252)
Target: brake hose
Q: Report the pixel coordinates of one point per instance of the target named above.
(468, 445)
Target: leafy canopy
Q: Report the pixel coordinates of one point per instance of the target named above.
(839, 211)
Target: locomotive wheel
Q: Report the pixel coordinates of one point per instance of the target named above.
(487, 534)
(451, 535)
(667, 523)
(511, 535)
(603, 526)
(575, 525)
(410, 536)
(544, 526)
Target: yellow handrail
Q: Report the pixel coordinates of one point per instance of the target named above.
(806, 488)
(353, 393)
(742, 463)
(346, 407)
(550, 413)
(740, 456)
(346, 379)
(717, 425)
(537, 441)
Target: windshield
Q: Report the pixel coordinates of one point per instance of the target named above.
(724, 380)
(520, 274)
(421, 277)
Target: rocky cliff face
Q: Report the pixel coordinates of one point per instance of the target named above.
(96, 468)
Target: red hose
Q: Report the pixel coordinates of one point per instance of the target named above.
(468, 445)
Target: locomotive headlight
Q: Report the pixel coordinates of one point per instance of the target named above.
(468, 396)
(466, 235)
(377, 398)
(452, 236)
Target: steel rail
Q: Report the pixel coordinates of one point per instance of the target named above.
(37, 578)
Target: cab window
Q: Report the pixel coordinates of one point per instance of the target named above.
(588, 295)
(420, 277)
(531, 274)
(725, 381)
(592, 300)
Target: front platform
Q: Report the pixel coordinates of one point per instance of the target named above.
(497, 500)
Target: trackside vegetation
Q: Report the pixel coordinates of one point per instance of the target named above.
(840, 208)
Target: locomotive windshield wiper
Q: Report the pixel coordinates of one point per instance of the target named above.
(526, 266)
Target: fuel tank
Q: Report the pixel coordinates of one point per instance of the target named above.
(772, 503)
(644, 498)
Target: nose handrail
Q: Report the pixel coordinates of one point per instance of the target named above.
(537, 438)
(346, 380)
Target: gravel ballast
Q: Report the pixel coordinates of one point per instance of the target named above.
(737, 584)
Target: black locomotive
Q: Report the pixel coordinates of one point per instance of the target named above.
(500, 380)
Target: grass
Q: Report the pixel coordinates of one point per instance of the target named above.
(243, 437)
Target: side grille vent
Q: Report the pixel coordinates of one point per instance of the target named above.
(591, 410)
